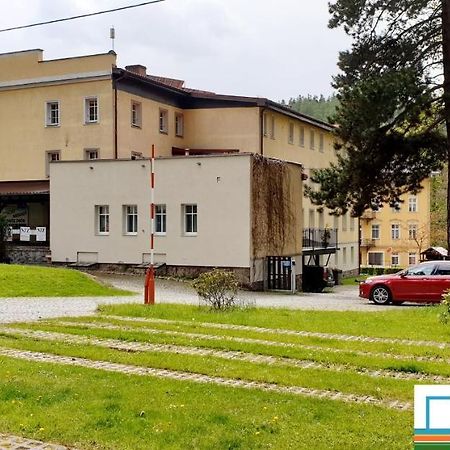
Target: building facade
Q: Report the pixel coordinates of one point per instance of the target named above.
(396, 236)
(87, 108)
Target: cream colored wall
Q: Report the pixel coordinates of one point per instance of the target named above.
(140, 139)
(223, 128)
(385, 217)
(220, 186)
(25, 138)
(347, 257)
(30, 65)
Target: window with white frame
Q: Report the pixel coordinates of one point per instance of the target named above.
(301, 136)
(375, 258)
(130, 219)
(91, 110)
(344, 222)
(395, 231)
(272, 127)
(395, 260)
(136, 114)
(52, 114)
(352, 254)
(352, 223)
(102, 219)
(412, 204)
(291, 133)
(190, 219)
(311, 140)
(396, 207)
(91, 153)
(163, 121)
(412, 258)
(412, 231)
(54, 155)
(179, 125)
(375, 231)
(321, 144)
(160, 219)
(344, 256)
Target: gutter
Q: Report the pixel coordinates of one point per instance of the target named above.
(115, 80)
(262, 110)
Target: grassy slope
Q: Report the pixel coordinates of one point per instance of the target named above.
(35, 281)
(400, 322)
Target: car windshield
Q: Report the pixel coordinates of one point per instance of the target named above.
(421, 269)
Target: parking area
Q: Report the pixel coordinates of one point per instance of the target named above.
(340, 298)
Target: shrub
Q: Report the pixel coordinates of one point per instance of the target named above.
(444, 315)
(217, 288)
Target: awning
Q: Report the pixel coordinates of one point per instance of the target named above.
(24, 187)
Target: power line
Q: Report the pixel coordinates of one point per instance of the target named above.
(80, 16)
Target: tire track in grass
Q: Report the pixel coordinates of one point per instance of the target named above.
(213, 337)
(281, 331)
(203, 379)
(117, 344)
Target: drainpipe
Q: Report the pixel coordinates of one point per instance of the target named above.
(261, 130)
(115, 114)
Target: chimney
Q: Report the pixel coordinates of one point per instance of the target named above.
(138, 69)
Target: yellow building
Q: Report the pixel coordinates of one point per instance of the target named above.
(88, 108)
(395, 237)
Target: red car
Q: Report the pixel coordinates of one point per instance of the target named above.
(423, 283)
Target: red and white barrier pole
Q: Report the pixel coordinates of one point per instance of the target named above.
(149, 291)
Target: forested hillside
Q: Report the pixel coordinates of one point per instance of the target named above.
(319, 107)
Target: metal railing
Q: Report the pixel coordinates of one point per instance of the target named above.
(320, 238)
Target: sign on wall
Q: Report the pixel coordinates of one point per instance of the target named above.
(16, 216)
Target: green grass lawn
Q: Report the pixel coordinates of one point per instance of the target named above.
(35, 281)
(95, 409)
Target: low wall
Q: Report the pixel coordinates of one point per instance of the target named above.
(27, 254)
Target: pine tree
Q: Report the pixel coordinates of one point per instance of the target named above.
(393, 117)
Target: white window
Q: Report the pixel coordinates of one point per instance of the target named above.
(301, 138)
(352, 255)
(311, 140)
(49, 157)
(102, 219)
(412, 259)
(412, 231)
(344, 256)
(272, 127)
(312, 219)
(375, 231)
(344, 222)
(395, 260)
(291, 133)
(136, 114)
(91, 153)
(375, 258)
(52, 114)
(160, 219)
(179, 125)
(412, 204)
(163, 121)
(130, 219)
(91, 110)
(352, 223)
(395, 231)
(396, 207)
(321, 145)
(190, 219)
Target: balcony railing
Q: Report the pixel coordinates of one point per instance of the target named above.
(320, 238)
(368, 215)
(367, 242)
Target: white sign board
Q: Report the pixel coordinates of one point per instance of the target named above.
(41, 234)
(25, 234)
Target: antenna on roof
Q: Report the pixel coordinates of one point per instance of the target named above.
(112, 35)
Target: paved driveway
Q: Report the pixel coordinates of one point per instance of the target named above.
(343, 298)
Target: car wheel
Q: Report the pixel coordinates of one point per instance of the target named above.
(380, 295)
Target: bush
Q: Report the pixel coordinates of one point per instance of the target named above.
(217, 288)
(444, 315)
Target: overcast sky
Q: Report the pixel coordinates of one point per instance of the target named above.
(268, 48)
